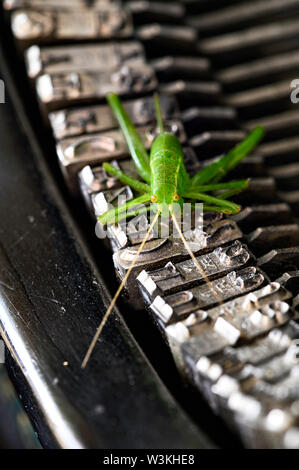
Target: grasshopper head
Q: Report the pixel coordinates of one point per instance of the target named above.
(168, 206)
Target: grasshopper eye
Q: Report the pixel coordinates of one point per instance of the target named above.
(154, 199)
(176, 197)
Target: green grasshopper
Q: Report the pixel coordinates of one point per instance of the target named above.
(167, 183)
(166, 180)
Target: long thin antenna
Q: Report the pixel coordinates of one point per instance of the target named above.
(199, 267)
(159, 113)
(113, 301)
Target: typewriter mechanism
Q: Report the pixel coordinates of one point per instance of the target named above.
(173, 368)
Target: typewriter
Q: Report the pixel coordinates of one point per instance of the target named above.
(172, 369)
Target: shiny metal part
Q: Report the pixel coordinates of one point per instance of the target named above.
(128, 239)
(239, 347)
(280, 125)
(172, 67)
(229, 49)
(93, 179)
(236, 362)
(290, 280)
(262, 320)
(262, 215)
(192, 163)
(260, 190)
(249, 303)
(201, 119)
(231, 379)
(259, 101)
(190, 93)
(259, 72)
(212, 143)
(234, 17)
(279, 260)
(149, 11)
(96, 180)
(276, 236)
(197, 323)
(287, 176)
(167, 39)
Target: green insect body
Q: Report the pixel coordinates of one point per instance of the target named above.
(166, 182)
(166, 179)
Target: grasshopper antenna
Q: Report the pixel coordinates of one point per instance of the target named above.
(194, 259)
(113, 301)
(159, 113)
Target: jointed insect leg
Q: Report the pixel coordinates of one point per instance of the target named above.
(137, 150)
(119, 213)
(214, 172)
(222, 210)
(231, 207)
(121, 176)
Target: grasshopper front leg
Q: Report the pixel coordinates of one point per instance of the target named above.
(120, 213)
